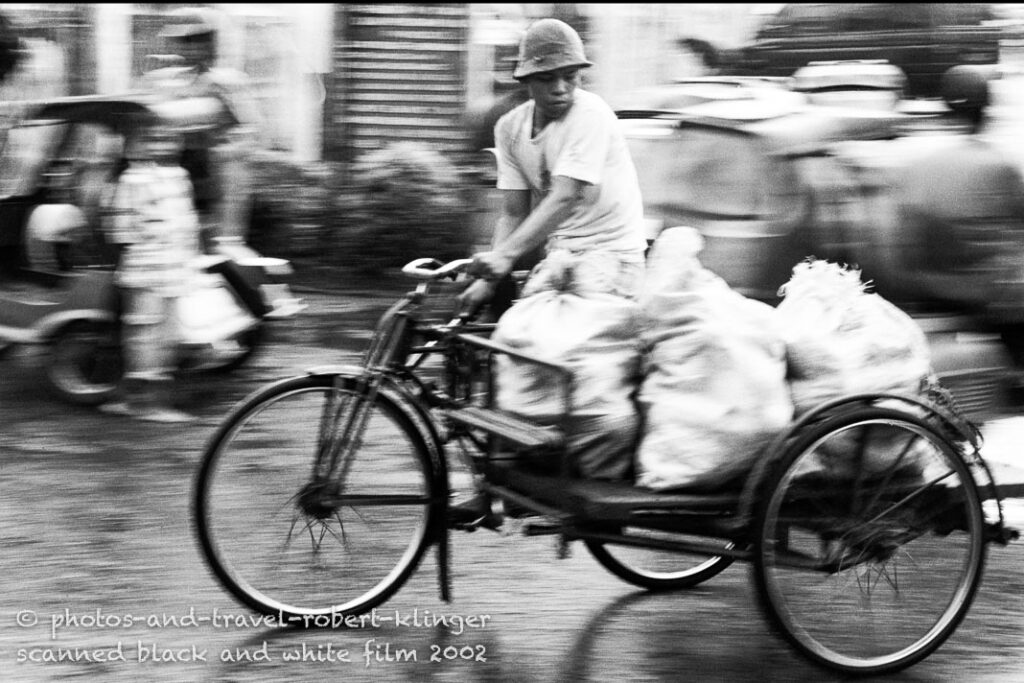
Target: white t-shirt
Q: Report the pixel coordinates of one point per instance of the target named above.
(587, 145)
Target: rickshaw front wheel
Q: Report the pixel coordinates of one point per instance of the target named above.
(310, 549)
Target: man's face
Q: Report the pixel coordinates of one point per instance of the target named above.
(552, 91)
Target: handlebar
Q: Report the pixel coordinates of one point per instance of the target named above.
(432, 269)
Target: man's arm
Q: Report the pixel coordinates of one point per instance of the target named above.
(520, 230)
(515, 207)
(566, 194)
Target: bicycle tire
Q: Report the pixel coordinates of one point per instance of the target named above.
(308, 558)
(868, 569)
(656, 570)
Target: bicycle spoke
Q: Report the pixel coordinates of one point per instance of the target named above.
(341, 526)
(312, 537)
(911, 440)
(291, 530)
(357, 513)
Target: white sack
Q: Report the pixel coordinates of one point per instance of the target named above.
(842, 340)
(597, 337)
(714, 392)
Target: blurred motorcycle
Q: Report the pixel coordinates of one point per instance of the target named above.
(57, 291)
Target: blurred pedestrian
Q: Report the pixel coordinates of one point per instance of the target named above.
(961, 216)
(218, 159)
(568, 183)
(154, 219)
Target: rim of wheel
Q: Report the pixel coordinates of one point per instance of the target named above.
(711, 561)
(244, 586)
(956, 602)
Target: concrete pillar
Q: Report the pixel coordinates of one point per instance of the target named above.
(314, 31)
(113, 26)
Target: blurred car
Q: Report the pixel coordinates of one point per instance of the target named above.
(861, 83)
(688, 92)
(921, 39)
(57, 288)
(769, 181)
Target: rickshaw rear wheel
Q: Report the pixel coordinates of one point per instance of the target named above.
(83, 363)
(868, 541)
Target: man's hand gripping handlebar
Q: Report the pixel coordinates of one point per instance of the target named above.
(431, 269)
(428, 270)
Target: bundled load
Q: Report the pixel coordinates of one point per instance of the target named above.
(843, 340)
(597, 337)
(714, 392)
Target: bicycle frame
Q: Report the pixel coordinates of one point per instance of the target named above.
(798, 532)
(393, 358)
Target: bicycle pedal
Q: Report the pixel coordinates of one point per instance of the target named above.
(468, 527)
(487, 522)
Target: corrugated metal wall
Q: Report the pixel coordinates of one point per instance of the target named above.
(399, 74)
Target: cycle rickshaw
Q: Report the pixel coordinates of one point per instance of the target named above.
(320, 494)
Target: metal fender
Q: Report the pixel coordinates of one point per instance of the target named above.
(930, 412)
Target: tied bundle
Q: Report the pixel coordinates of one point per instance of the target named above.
(597, 337)
(714, 391)
(842, 339)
